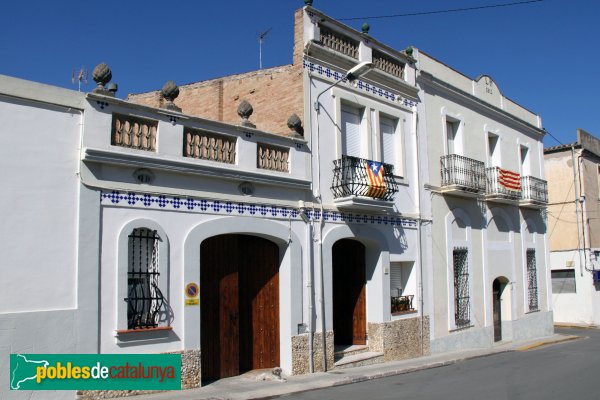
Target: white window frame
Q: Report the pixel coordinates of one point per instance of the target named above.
(370, 128)
(458, 120)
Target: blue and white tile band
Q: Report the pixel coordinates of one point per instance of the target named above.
(189, 204)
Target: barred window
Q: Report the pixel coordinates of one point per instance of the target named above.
(532, 288)
(462, 316)
(144, 298)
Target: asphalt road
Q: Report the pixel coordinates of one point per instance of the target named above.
(563, 371)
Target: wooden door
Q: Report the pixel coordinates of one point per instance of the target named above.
(497, 310)
(259, 303)
(219, 281)
(349, 300)
(239, 305)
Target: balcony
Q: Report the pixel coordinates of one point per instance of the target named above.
(503, 186)
(360, 183)
(534, 192)
(462, 176)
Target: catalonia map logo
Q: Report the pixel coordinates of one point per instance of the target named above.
(95, 371)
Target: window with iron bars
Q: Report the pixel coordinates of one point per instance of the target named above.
(462, 316)
(532, 288)
(144, 298)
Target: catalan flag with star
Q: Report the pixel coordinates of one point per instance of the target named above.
(375, 174)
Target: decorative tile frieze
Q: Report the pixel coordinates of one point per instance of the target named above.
(360, 84)
(190, 204)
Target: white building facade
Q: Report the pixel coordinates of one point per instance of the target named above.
(490, 276)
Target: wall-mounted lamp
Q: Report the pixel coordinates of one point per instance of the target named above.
(351, 75)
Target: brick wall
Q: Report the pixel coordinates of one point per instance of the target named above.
(275, 93)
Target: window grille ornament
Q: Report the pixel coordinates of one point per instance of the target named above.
(532, 288)
(144, 297)
(462, 316)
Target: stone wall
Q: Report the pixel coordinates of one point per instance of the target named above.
(400, 339)
(300, 353)
(190, 378)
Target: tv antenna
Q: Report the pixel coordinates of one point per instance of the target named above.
(261, 39)
(82, 77)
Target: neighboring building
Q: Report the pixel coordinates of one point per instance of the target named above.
(489, 279)
(316, 226)
(573, 173)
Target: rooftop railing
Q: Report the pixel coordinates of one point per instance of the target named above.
(338, 42)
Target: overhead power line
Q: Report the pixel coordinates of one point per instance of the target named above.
(516, 3)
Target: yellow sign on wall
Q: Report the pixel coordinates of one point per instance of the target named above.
(192, 293)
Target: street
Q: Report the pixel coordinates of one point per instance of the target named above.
(568, 370)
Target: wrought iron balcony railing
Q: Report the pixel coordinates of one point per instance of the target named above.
(353, 176)
(504, 183)
(534, 189)
(402, 304)
(461, 171)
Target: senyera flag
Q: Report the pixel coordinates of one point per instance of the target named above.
(375, 173)
(510, 180)
(95, 371)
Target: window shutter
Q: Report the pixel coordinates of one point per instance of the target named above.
(351, 132)
(388, 142)
(451, 135)
(396, 279)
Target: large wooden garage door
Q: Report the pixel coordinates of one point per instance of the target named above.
(349, 303)
(239, 289)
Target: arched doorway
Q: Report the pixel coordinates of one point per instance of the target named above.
(349, 302)
(239, 291)
(500, 302)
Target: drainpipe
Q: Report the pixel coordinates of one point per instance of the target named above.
(317, 196)
(577, 210)
(322, 292)
(420, 213)
(309, 285)
(419, 229)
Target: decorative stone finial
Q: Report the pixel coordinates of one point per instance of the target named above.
(245, 110)
(295, 125)
(102, 75)
(169, 92)
(308, 2)
(409, 51)
(365, 28)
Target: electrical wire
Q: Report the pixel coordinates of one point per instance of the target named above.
(516, 3)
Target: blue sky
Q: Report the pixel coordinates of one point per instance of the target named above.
(542, 55)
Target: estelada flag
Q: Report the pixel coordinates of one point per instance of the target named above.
(510, 180)
(375, 174)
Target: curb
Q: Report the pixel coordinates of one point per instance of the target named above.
(364, 378)
(548, 342)
(575, 326)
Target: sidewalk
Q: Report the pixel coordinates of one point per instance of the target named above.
(248, 387)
